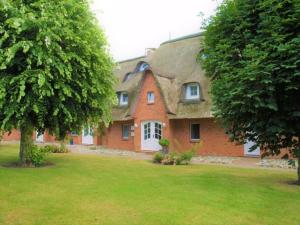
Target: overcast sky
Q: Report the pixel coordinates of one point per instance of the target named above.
(131, 26)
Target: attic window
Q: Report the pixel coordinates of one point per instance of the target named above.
(192, 91)
(123, 98)
(141, 67)
(128, 76)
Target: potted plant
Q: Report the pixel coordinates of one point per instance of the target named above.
(164, 143)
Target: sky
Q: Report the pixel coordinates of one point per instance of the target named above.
(131, 26)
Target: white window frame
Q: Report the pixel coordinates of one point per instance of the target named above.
(149, 99)
(188, 91)
(121, 101)
(195, 140)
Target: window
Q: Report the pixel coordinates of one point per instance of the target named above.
(125, 131)
(123, 98)
(192, 91)
(128, 76)
(195, 132)
(141, 67)
(150, 97)
(74, 133)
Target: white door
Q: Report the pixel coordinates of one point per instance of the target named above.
(39, 138)
(87, 136)
(151, 133)
(247, 151)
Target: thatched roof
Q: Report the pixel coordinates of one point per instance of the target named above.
(173, 64)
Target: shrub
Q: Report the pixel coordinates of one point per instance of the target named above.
(55, 149)
(164, 142)
(36, 155)
(173, 158)
(158, 157)
(170, 159)
(186, 157)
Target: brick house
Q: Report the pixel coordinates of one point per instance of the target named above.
(163, 94)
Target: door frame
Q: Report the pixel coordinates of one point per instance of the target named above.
(254, 153)
(152, 132)
(87, 139)
(39, 138)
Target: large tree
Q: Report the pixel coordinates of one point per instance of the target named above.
(55, 70)
(251, 52)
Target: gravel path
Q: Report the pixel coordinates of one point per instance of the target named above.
(244, 162)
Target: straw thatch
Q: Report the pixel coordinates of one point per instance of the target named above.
(173, 64)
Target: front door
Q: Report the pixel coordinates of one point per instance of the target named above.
(39, 138)
(151, 133)
(87, 136)
(247, 151)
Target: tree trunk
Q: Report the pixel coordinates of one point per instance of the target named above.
(25, 144)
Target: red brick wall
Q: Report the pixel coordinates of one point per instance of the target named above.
(214, 141)
(13, 136)
(145, 111)
(113, 137)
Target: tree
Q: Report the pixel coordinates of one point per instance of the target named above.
(55, 70)
(251, 52)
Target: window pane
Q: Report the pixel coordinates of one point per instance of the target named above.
(192, 91)
(150, 96)
(125, 131)
(195, 131)
(123, 99)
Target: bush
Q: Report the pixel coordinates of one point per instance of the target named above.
(36, 156)
(173, 158)
(164, 142)
(55, 149)
(186, 157)
(158, 157)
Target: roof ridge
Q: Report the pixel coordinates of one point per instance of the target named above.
(182, 38)
(131, 59)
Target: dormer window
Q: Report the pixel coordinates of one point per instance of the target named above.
(128, 76)
(192, 91)
(141, 67)
(123, 98)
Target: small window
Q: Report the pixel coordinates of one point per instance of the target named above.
(150, 97)
(195, 132)
(123, 99)
(192, 91)
(125, 131)
(128, 76)
(74, 133)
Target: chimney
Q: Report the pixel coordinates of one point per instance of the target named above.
(149, 51)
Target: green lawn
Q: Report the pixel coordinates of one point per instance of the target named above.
(89, 189)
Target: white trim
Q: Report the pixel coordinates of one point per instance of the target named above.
(87, 137)
(151, 143)
(188, 92)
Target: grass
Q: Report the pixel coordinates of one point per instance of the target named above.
(90, 189)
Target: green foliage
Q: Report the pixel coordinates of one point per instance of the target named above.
(55, 149)
(158, 157)
(36, 156)
(186, 157)
(251, 52)
(173, 158)
(55, 71)
(164, 142)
